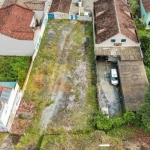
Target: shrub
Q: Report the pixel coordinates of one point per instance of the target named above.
(147, 58)
(101, 122)
(129, 117)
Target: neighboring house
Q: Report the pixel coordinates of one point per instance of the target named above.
(116, 39)
(70, 9)
(18, 31)
(10, 98)
(114, 25)
(36, 5)
(145, 11)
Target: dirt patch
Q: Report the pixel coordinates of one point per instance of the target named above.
(24, 114)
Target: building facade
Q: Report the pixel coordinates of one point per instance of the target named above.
(10, 97)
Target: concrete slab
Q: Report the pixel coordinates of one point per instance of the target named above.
(108, 95)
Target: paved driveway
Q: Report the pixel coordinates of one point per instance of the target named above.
(108, 95)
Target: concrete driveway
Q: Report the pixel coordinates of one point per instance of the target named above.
(108, 95)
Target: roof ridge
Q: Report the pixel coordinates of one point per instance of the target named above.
(8, 15)
(117, 16)
(59, 5)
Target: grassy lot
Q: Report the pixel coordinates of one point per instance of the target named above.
(79, 141)
(57, 69)
(14, 68)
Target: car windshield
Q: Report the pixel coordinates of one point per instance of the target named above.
(114, 78)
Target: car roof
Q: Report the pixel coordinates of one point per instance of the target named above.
(113, 72)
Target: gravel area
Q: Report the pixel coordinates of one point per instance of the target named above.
(69, 92)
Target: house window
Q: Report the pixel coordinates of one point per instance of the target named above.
(113, 40)
(123, 40)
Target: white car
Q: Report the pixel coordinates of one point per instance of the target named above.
(114, 77)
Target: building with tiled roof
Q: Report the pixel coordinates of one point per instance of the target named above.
(60, 6)
(145, 11)
(114, 23)
(17, 31)
(116, 41)
(15, 24)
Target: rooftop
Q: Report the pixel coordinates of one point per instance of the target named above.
(112, 17)
(60, 6)
(125, 53)
(31, 4)
(146, 4)
(15, 22)
(8, 84)
(133, 82)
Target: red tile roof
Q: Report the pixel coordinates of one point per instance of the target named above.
(15, 22)
(60, 6)
(126, 23)
(146, 4)
(112, 17)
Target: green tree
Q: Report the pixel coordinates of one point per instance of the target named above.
(145, 43)
(144, 112)
(134, 7)
(147, 58)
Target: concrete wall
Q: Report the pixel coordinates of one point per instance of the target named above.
(37, 45)
(145, 15)
(38, 14)
(13, 47)
(118, 38)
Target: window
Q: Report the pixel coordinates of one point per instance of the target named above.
(123, 40)
(113, 40)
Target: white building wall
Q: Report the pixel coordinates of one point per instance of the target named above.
(13, 47)
(47, 6)
(38, 15)
(8, 106)
(118, 38)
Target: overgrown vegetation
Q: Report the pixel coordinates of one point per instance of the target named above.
(102, 122)
(142, 116)
(14, 68)
(48, 69)
(134, 7)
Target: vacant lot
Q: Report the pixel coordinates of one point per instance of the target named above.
(62, 82)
